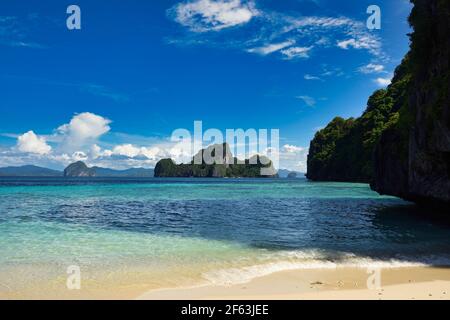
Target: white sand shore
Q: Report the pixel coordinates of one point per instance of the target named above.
(342, 284)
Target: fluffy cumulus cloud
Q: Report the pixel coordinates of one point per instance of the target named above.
(213, 15)
(30, 143)
(73, 141)
(84, 127)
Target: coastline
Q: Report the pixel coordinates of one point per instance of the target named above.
(415, 283)
(342, 283)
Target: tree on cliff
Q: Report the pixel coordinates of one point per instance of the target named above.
(343, 151)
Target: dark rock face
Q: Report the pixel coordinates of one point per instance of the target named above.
(79, 169)
(418, 168)
(203, 165)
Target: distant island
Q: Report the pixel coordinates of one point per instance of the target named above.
(401, 143)
(77, 169)
(29, 171)
(284, 173)
(228, 167)
(80, 169)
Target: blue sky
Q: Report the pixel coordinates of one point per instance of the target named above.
(112, 93)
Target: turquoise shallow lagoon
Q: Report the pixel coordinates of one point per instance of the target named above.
(173, 232)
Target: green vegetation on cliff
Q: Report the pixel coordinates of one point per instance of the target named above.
(343, 151)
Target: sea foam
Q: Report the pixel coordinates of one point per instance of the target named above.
(309, 260)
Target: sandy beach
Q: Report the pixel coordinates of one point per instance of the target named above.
(342, 283)
(424, 283)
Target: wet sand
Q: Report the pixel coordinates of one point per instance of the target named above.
(342, 283)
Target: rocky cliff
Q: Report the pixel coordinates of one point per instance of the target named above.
(401, 144)
(412, 158)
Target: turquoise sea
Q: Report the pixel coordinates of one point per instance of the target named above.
(173, 232)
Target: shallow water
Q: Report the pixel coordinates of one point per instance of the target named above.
(183, 231)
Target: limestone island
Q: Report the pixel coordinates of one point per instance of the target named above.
(227, 167)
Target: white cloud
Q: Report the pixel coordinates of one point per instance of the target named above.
(30, 143)
(313, 22)
(292, 149)
(132, 151)
(79, 156)
(83, 128)
(96, 151)
(362, 42)
(310, 77)
(271, 31)
(293, 157)
(383, 82)
(296, 52)
(270, 48)
(345, 44)
(309, 101)
(86, 126)
(127, 150)
(213, 15)
(371, 68)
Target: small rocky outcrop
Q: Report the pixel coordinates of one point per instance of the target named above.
(79, 169)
